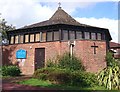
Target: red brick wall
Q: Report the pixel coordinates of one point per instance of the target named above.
(82, 49)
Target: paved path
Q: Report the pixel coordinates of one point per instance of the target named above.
(9, 85)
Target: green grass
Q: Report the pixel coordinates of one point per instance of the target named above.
(48, 84)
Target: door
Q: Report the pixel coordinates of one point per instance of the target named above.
(39, 58)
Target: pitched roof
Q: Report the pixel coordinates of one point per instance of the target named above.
(59, 17)
(114, 45)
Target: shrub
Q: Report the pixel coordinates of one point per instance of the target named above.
(110, 60)
(66, 76)
(38, 72)
(50, 63)
(70, 62)
(10, 71)
(83, 79)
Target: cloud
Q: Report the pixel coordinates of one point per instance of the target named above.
(110, 24)
(25, 12)
(22, 12)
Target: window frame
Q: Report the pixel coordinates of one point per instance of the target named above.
(51, 36)
(63, 35)
(69, 36)
(13, 39)
(58, 35)
(76, 35)
(88, 38)
(33, 37)
(28, 38)
(93, 38)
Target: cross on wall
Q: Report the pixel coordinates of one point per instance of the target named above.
(94, 46)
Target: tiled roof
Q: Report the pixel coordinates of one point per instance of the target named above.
(113, 44)
(59, 17)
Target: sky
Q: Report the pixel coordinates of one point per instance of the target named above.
(99, 13)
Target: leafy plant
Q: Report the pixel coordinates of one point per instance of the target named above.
(70, 62)
(10, 71)
(66, 76)
(110, 76)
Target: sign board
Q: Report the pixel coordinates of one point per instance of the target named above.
(21, 54)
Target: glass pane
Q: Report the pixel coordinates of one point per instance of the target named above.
(87, 35)
(16, 39)
(37, 37)
(78, 35)
(56, 35)
(93, 36)
(98, 36)
(72, 35)
(21, 39)
(26, 38)
(31, 37)
(43, 37)
(103, 36)
(49, 36)
(65, 34)
(12, 40)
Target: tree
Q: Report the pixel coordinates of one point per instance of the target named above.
(4, 27)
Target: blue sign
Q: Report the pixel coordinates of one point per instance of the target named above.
(21, 54)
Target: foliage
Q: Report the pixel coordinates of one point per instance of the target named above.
(110, 60)
(66, 76)
(50, 63)
(4, 27)
(10, 71)
(70, 62)
(110, 76)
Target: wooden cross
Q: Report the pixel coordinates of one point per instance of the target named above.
(94, 46)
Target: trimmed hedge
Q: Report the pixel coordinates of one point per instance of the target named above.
(64, 76)
(10, 71)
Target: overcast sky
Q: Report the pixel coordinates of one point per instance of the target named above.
(100, 13)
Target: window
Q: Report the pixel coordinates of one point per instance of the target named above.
(26, 38)
(78, 35)
(12, 40)
(49, 36)
(43, 37)
(87, 35)
(21, 37)
(16, 39)
(65, 35)
(37, 37)
(71, 35)
(31, 37)
(93, 36)
(98, 36)
(56, 35)
(103, 36)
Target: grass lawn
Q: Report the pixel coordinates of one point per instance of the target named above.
(48, 84)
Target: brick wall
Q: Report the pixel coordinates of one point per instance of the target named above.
(82, 49)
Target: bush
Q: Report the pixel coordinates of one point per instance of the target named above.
(110, 60)
(70, 62)
(64, 76)
(38, 73)
(10, 71)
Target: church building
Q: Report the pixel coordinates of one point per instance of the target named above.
(32, 46)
